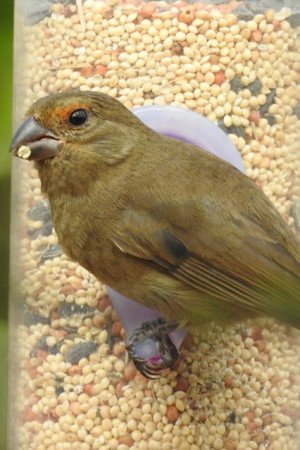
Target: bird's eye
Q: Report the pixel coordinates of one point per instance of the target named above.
(78, 117)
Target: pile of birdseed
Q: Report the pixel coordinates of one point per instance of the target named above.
(234, 387)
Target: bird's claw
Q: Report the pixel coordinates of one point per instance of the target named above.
(151, 349)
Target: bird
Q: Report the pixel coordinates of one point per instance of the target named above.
(159, 220)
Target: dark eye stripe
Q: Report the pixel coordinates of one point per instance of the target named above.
(78, 117)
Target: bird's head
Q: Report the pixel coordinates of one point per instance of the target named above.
(76, 125)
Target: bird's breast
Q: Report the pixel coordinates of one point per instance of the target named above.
(84, 231)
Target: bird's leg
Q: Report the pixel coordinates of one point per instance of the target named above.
(150, 347)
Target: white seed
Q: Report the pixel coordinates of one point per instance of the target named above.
(24, 152)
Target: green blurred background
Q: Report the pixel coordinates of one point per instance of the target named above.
(6, 37)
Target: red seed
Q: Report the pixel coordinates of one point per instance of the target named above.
(28, 415)
(182, 384)
(42, 354)
(274, 381)
(261, 345)
(256, 36)
(119, 388)
(227, 381)
(202, 418)
(186, 15)
(116, 328)
(254, 117)
(147, 10)
(58, 334)
(250, 415)
(53, 415)
(229, 444)
(219, 78)
(87, 71)
(104, 302)
(70, 10)
(33, 372)
(89, 389)
(277, 25)
(256, 334)
(172, 413)
(74, 370)
(100, 69)
(251, 426)
(126, 439)
(192, 404)
(67, 289)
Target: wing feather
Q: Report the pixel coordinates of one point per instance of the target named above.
(257, 274)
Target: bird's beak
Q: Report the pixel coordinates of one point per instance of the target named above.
(33, 142)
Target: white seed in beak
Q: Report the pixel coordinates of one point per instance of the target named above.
(24, 152)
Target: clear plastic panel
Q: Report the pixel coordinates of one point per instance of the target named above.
(71, 385)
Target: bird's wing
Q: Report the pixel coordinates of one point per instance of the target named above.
(240, 264)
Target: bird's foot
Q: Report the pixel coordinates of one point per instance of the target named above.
(150, 347)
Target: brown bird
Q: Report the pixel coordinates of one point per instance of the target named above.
(159, 220)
